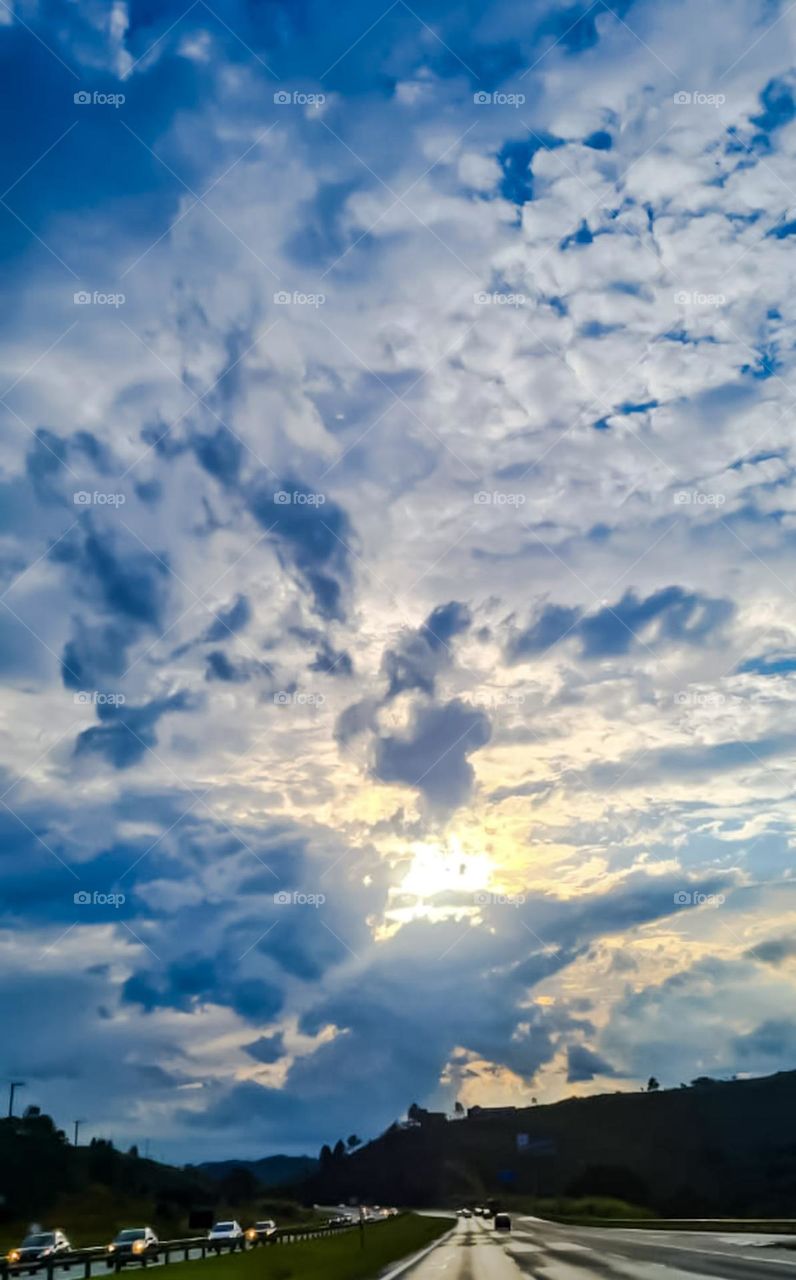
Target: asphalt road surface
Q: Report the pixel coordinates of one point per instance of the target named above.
(549, 1251)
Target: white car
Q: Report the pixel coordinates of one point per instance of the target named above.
(222, 1233)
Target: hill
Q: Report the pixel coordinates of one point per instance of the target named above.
(271, 1171)
(715, 1147)
(93, 1190)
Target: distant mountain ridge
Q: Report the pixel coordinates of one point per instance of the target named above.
(271, 1171)
(712, 1148)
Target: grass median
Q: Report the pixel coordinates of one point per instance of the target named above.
(337, 1257)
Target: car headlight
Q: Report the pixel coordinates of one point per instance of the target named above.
(139, 1246)
(251, 1234)
(13, 1255)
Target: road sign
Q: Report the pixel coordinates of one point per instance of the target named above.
(535, 1146)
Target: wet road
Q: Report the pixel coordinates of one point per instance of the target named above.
(549, 1251)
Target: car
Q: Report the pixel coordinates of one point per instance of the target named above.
(222, 1233)
(261, 1231)
(502, 1222)
(467, 1213)
(40, 1245)
(133, 1244)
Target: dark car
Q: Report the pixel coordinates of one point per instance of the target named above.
(134, 1244)
(261, 1231)
(502, 1222)
(39, 1246)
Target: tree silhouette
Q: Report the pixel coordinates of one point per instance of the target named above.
(652, 1085)
(458, 1108)
(325, 1157)
(353, 1141)
(339, 1150)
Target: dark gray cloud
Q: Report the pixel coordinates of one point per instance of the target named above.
(313, 539)
(769, 1044)
(433, 755)
(584, 1064)
(328, 660)
(418, 657)
(126, 580)
(125, 733)
(774, 951)
(220, 667)
(670, 615)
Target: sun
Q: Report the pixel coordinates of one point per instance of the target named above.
(439, 869)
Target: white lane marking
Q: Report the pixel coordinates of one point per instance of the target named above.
(567, 1246)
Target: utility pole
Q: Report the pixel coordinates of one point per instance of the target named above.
(77, 1127)
(14, 1085)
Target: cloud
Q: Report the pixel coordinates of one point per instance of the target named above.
(420, 655)
(433, 753)
(669, 615)
(774, 951)
(312, 537)
(126, 733)
(584, 1064)
(589, 326)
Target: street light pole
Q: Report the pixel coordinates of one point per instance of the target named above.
(77, 1127)
(14, 1085)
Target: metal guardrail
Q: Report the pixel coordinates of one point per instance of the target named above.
(97, 1256)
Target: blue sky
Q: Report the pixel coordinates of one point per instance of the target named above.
(398, 629)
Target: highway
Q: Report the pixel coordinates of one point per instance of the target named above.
(549, 1251)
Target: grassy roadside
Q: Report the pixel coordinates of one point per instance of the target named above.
(333, 1258)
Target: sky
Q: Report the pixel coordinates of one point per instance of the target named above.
(398, 628)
